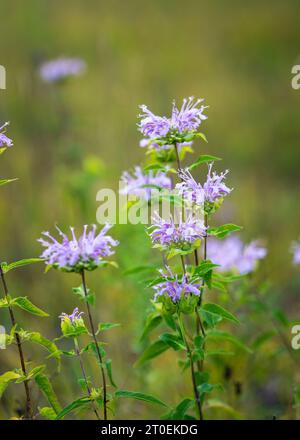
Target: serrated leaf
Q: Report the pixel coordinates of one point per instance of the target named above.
(109, 372)
(79, 403)
(152, 351)
(6, 378)
(173, 341)
(217, 334)
(152, 322)
(21, 263)
(139, 396)
(24, 303)
(106, 326)
(45, 386)
(220, 311)
(223, 230)
(37, 338)
(205, 158)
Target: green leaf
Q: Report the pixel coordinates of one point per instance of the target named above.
(218, 404)
(152, 322)
(21, 263)
(204, 267)
(45, 386)
(37, 338)
(106, 326)
(109, 372)
(217, 334)
(139, 396)
(224, 230)
(24, 303)
(83, 401)
(173, 341)
(90, 297)
(6, 378)
(203, 159)
(182, 408)
(47, 412)
(152, 351)
(5, 181)
(220, 311)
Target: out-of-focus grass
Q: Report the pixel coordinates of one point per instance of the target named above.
(74, 139)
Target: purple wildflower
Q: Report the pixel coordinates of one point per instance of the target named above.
(134, 184)
(61, 68)
(213, 189)
(4, 140)
(175, 289)
(73, 317)
(75, 254)
(232, 254)
(168, 233)
(189, 117)
(153, 126)
(182, 121)
(296, 253)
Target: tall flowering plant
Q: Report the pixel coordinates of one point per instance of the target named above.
(79, 255)
(182, 287)
(25, 374)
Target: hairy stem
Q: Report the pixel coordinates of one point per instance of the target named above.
(28, 411)
(96, 345)
(77, 350)
(193, 375)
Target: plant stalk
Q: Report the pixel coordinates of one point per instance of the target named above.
(28, 411)
(77, 350)
(97, 347)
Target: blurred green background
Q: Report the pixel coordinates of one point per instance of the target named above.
(71, 140)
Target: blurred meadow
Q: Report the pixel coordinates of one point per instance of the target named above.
(72, 139)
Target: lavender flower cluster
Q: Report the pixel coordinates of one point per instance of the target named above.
(164, 131)
(168, 233)
(296, 252)
(136, 183)
(74, 254)
(61, 68)
(213, 189)
(4, 140)
(73, 317)
(176, 288)
(231, 254)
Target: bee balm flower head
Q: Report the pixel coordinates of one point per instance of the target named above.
(74, 255)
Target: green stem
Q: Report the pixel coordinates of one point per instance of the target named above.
(96, 346)
(193, 375)
(77, 350)
(28, 411)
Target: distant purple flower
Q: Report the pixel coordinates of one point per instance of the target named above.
(61, 68)
(213, 189)
(175, 288)
(4, 140)
(232, 254)
(296, 253)
(168, 233)
(189, 117)
(75, 254)
(134, 184)
(182, 121)
(73, 317)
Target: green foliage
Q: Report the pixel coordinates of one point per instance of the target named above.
(7, 267)
(224, 230)
(45, 386)
(23, 303)
(139, 396)
(205, 158)
(5, 380)
(152, 351)
(83, 402)
(215, 309)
